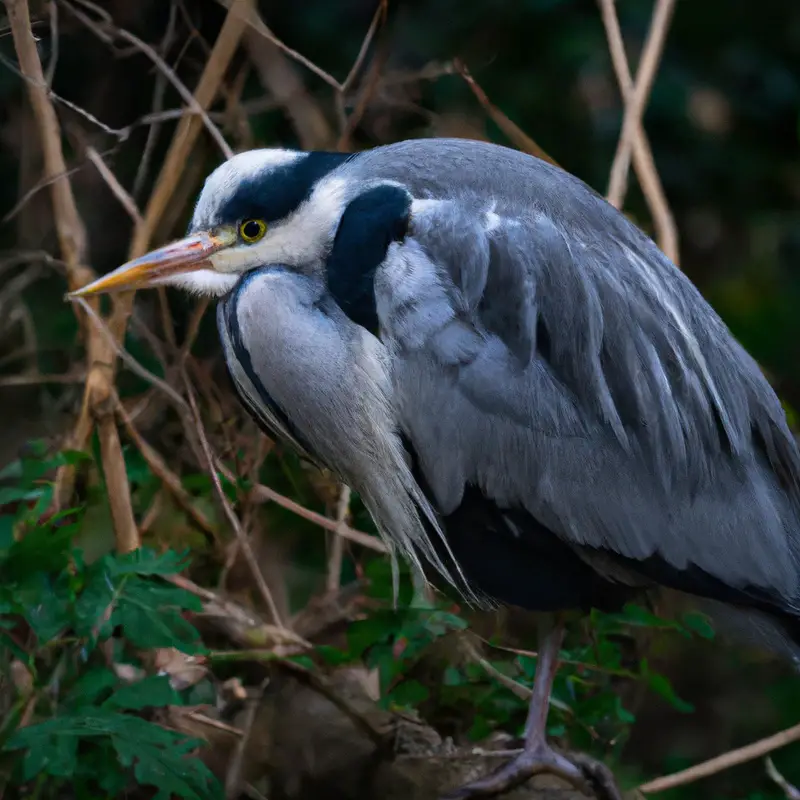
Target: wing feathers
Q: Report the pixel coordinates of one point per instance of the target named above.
(593, 386)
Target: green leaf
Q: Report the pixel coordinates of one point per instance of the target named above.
(661, 685)
(365, 633)
(332, 655)
(41, 550)
(146, 561)
(89, 687)
(6, 532)
(699, 624)
(409, 694)
(155, 690)
(151, 616)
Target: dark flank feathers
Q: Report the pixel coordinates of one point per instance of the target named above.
(369, 224)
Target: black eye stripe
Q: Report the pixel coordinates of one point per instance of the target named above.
(277, 192)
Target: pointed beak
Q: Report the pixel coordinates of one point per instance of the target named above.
(158, 266)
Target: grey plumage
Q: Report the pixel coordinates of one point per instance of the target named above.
(525, 341)
(648, 429)
(526, 393)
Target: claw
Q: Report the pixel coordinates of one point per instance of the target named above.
(583, 773)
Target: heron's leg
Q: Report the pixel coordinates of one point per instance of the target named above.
(537, 757)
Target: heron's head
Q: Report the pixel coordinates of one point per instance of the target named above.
(258, 208)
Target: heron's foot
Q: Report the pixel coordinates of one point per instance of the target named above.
(538, 758)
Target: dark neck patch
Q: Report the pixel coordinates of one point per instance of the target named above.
(369, 224)
(276, 194)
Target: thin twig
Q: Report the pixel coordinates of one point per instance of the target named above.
(252, 19)
(33, 379)
(69, 226)
(244, 542)
(233, 777)
(637, 99)
(519, 138)
(261, 493)
(129, 361)
(54, 43)
(643, 161)
(281, 79)
(337, 545)
(517, 688)
(117, 189)
(378, 17)
(791, 792)
(162, 471)
(190, 99)
(158, 99)
(117, 486)
(727, 760)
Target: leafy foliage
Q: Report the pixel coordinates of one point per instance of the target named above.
(86, 726)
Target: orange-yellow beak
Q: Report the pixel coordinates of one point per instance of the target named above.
(158, 266)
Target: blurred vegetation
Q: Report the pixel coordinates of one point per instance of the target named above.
(647, 694)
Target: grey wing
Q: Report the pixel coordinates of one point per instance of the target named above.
(580, 376)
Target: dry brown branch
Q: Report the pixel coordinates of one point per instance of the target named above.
(727, 760)
(251, 17)
(162, 471)
(371, 83)
(233, 778)
(189, 126)
(791, 792)
(263, 494)
(636, 100)
(244, 542)
(132, 364)
(118, 190)
(69, 226)
(107, 31)
(643, 161)
(281, 80)
(378, 17)
(337, 545)
(347, 126)
(240, 624)
(517, 688)
(158, 100)
(72, 242)
(119, 495)
(518, 137)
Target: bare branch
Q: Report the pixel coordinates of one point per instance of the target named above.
(170, 480)
(637, 100)
(244, 542)
(518, 137)
(118, 190)
(192, 101)
(337, 545)
(281, 79)
(378, 17)
(69, 226)
(727, 760)
(252, 18)
(643, 161)
(791, 792)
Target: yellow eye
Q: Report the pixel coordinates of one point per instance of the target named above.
(251, 230)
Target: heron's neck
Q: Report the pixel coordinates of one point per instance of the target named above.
(369, 224)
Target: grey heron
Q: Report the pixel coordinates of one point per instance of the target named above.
(534, 403)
